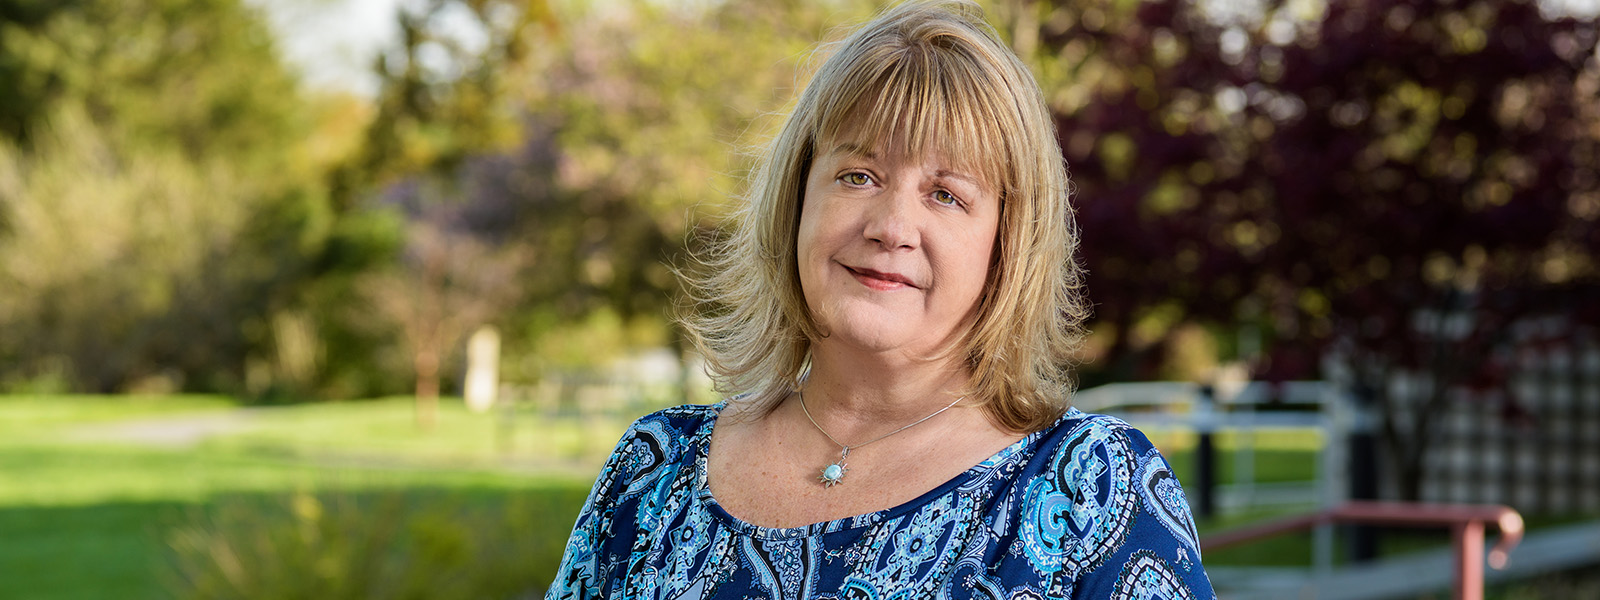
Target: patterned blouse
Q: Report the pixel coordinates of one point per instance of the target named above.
(1083, 509)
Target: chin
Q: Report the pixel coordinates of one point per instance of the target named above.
(884, 335)
(880, 327)
(871, 340)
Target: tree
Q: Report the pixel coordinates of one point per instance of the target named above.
(201, 75)
(447, 283)
(444, 90)
(169, 147)
(1353, 174)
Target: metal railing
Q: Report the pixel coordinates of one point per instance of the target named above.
(1467, 523)
(1242, 407)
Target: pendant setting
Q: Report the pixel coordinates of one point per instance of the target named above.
(833, 474)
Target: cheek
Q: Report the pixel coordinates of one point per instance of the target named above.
(821, 230)
(975, 270)
(810, 246)
(806, 238)
(973, 266)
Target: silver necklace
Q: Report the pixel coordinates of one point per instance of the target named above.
(833, 474)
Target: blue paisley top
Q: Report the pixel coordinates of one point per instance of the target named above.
(1083, 509)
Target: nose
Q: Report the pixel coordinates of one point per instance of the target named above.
(891, 218)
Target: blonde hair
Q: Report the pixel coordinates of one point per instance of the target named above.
(935, 78)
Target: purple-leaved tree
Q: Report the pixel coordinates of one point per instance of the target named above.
(1395, 182)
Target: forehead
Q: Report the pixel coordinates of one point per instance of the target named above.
(944, 143)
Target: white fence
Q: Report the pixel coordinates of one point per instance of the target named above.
(1242, 409)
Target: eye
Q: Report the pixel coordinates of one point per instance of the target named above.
(856, 178)
(945, 197)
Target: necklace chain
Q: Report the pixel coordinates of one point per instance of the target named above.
(846, 448)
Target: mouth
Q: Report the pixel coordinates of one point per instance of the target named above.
(880, 280)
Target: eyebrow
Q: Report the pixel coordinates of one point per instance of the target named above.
(854, 149)
(948, 174)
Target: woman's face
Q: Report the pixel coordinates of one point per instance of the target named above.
(894, 253)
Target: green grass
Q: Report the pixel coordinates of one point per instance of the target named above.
(87, 513)
(386, 430)
(83, 551)
(1277, 455)
(36, 417)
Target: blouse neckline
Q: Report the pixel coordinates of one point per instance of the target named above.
(700, 447)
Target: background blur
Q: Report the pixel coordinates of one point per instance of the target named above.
(244, 245)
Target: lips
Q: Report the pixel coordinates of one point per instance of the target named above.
(880, 280)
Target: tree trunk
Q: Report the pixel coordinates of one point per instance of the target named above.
(426, 363)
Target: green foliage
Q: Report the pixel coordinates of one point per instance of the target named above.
(443, 98)
(158, 199)
(89, 263)
(199, 74)
(357, 353)
(398, 545)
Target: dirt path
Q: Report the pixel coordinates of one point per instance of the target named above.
(176, 431)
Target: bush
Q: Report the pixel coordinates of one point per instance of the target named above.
(374, 545)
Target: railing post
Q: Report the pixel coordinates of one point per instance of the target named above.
(1205, 453)
(1468, 542)
(1333, 474)
(1362, 465)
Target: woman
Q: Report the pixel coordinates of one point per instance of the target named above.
(896, 311)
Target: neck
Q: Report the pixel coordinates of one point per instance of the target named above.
(847, 389)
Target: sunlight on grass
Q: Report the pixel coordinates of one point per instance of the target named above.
(25, 417)
(61, 450)
(92, 488)
(384, 430)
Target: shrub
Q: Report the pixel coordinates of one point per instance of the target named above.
(374, 545)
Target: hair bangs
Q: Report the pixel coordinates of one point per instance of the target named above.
(920, 101)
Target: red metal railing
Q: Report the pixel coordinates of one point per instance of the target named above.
(1466, 523)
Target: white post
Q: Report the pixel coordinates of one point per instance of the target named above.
(483, 369)
(1333, 470)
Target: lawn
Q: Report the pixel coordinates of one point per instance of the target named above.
(94, 491)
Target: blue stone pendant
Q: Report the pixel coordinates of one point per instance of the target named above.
(833, 474)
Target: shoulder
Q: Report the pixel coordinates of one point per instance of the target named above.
(665, 435)
(654, 445)
(1084, 445)
(676, 423)
(1070, 442)
(1090, 477)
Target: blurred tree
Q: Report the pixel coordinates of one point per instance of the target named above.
(443, 92)
(442, 103)
(448, 284)
(167, 134)
(202, 75)
(1402, 177)
(91, 270)
(457, 272)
